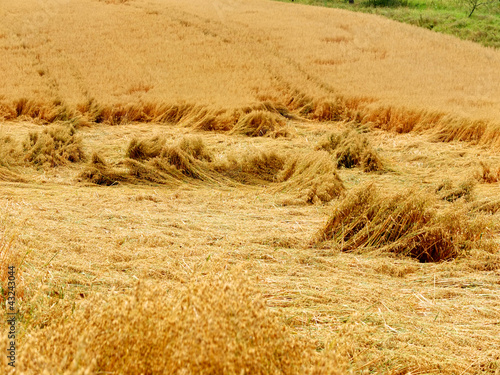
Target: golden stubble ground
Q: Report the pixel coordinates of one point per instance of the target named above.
(380, 313)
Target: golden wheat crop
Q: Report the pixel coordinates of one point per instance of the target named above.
(202, 63)
(246, 187)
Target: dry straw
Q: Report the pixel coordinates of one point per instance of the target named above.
(53, 146)
(259, 123)
(352, 149)
(10, 255)
(449, 192)
(487, 175)
(489, 205)
(310, 177)
(10, 176)
(217, 325)
(252, 168)
(10, 156)
(406, 223)
(9, 151)
(100, 173)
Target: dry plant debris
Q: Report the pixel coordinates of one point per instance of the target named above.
(194, 254)
(487, 175)
(53, 146)
(352, 149)
(216, 325)
(405, 224)
(311, 177)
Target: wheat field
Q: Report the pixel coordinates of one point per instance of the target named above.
(246, 187)
(210, 59)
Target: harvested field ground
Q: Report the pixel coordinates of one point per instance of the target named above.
(154, 236)
(378, 313)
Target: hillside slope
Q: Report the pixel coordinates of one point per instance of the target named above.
(66, 59)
